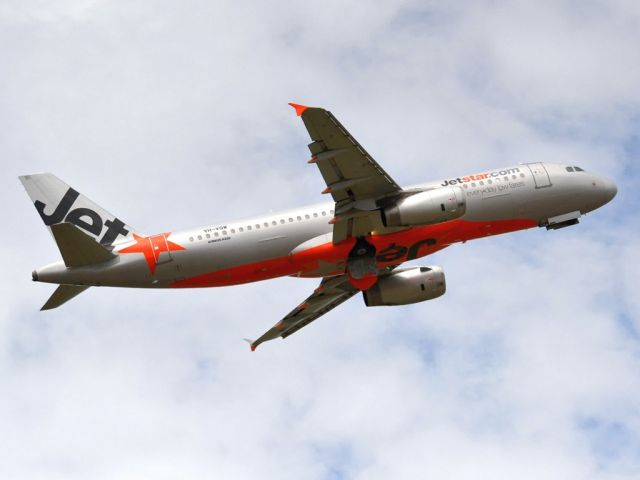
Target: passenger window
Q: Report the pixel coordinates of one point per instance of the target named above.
(481, 182)
(248, 227)
(513, 177)
(274, 223)
(299, 218)
(522, 175)
(307, 217)
(191, 239)
(241, 230)
(473, 184)
(315, 215)
(290, 219)
(199, 237)
(266, 224)
(324, 214)
(331, 212)
(489, 181)
(208, 236)
(233, 230)
(216, 234)
(282, 221)
(224, 232)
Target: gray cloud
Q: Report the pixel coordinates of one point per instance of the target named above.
(175, 115)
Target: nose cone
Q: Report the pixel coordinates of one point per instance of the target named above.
(600, 192)
(607, 190)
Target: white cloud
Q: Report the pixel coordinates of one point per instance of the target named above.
(175, 115)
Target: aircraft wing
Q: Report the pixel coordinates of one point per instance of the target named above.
(353, 177)
(332, 292)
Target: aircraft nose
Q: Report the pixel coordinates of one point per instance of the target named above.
(609, 190)
(605, 190)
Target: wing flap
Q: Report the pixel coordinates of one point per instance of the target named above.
(317, 313)
(332, 292)
(340, 157)
(353, 178)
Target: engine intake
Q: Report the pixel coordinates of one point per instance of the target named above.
(426, 208)
(405, 286)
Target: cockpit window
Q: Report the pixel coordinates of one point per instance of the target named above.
(569, 169)
(578, 169)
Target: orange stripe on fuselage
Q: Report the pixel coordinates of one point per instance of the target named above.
(391, 249)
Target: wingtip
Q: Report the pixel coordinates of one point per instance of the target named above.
(252, 346)
(298, 108)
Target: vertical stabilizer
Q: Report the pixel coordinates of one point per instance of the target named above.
(57, 202)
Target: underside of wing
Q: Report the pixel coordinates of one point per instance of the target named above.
(354, 179)
(332, 292)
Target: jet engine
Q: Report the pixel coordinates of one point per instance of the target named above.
(406, 285)
(426, 208)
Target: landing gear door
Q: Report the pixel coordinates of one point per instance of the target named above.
(161, 252)
(540, 175)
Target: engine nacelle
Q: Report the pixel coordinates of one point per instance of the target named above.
(426, 208)
(407, 285)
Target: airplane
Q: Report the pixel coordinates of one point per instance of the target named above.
(355, 243)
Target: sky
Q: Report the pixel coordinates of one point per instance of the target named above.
(174, 114)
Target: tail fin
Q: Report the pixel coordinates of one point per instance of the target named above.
(63, 294)
(57, 202)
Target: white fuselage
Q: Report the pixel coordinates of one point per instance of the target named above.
(273, 245)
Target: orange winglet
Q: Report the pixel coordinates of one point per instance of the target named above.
(298, 108)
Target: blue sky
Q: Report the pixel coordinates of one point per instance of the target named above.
(174, 115)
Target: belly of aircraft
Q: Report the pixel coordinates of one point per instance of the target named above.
(328, 259)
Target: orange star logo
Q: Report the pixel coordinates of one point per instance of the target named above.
(151, 247)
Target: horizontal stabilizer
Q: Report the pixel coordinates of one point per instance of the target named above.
(77, 248)
(63, 294)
